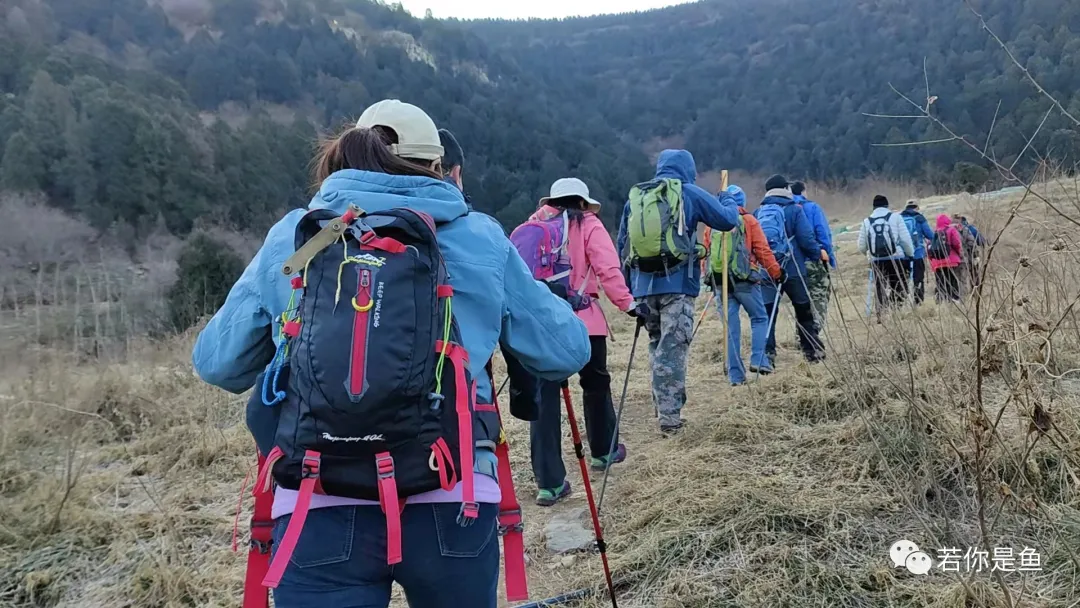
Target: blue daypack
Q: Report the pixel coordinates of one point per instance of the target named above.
(774, 225)
(912, 224)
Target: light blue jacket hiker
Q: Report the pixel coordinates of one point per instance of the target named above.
(699, 207)
(496, 300)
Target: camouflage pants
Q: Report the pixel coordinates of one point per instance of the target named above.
(819, 283)
(670, 324)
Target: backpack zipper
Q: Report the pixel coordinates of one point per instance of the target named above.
(362, 303)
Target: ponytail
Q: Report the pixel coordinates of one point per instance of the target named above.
(365, 150)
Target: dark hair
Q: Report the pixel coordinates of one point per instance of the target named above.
(572, 205)
(453, 155)
(366, 150)
(798, 188)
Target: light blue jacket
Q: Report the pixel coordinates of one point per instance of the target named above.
(496, 299)
(699, 207)
(822, 231)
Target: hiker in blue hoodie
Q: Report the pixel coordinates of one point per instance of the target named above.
(666, 296)
(921, 232)
(817, 270)
(391, 159)
(791, 238)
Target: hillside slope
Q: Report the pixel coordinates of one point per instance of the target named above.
(948, 427)
(782, 85)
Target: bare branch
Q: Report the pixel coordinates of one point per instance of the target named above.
(912, 116)
(916, 143)
(992, 125)
(1031, 139)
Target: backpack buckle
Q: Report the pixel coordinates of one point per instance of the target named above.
(468, 514)
(510, 521)
(261, 536)
(384, 467)
(310, 467)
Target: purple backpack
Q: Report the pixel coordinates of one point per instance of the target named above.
(543, 244)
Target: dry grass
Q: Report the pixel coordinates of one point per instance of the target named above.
(118, 482)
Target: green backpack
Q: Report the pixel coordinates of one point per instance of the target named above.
(739, 265)
(658, 238)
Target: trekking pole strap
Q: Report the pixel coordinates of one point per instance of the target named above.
(511, 526)
(258, 564)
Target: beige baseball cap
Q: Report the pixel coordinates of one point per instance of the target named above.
(417, 136)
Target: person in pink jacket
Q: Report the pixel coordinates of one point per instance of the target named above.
(946, 254)
(595, 267)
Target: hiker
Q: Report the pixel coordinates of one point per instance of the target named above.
(973, 245)
(921, 234)
(946, 255)
(749, 256)
(340, 549)
(818, 279)
(664, 275)
(791, 238)
(594, 263)
(885, 238)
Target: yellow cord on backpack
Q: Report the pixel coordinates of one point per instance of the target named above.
(445, 346)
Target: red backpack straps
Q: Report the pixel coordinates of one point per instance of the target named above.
(262, 527)
(308, 486)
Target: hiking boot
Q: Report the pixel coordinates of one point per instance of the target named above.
(548, 498)
(601, 464)
(816, 357)
(761, 369)
(669, 430)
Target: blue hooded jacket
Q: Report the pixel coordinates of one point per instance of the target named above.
(822, 232)
(804, 244)
(496, 299)
(699, 207)
(922, 233)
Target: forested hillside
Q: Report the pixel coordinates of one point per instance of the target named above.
(783, 85)
(141, 114)
(165, 114)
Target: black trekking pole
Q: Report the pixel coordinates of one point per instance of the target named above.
(580, 451)
(618, 415)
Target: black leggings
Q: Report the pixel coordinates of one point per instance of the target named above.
(599, 415)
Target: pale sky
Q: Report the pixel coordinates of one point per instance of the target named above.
(519, 9)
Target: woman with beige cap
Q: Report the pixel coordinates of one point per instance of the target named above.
(441, 546)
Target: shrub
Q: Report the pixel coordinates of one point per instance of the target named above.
(206, 271)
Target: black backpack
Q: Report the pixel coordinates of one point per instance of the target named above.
(380, 404)
(939, 247)
(882, 244)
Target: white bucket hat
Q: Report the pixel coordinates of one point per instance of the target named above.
(417, 136)
(571, 187)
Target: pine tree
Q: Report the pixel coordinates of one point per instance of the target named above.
(23, 168)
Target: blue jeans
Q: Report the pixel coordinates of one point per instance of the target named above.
(746, 295)
(340, 560)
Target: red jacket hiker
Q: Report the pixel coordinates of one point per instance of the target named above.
(952, 238)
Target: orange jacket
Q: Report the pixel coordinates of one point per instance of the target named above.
(758, 246)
